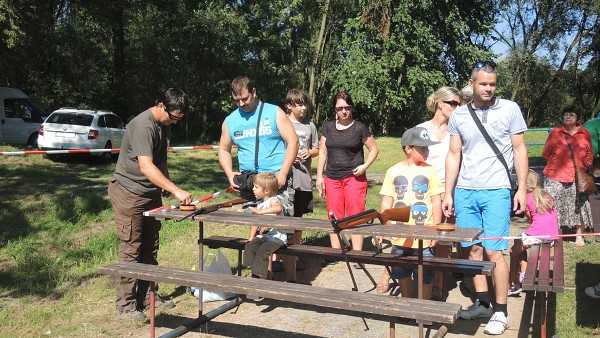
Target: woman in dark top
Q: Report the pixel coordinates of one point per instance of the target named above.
(341, 147)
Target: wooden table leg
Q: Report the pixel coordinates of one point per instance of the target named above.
(200, 263)
(420, 282)
(152, 308)
(543, 314)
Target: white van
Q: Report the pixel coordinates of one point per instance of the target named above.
(20, 117)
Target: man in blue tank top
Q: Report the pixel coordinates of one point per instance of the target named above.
(277, 140)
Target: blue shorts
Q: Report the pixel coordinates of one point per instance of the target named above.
(484, 209)
(399, 272)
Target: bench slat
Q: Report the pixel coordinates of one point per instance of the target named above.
(468, 267)
(529, 281)
(558, 273)
(364, 303)
(544, 282)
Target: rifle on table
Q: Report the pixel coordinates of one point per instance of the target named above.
(400, 214)
(213, 207)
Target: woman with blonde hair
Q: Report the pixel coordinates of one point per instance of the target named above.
(442, 103)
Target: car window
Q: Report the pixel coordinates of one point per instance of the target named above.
(102, 121)
(114, 121)
(22, 108)
(71, 118)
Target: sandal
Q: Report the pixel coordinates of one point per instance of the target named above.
(382, 288)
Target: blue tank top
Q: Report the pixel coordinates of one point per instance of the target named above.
(242, 130)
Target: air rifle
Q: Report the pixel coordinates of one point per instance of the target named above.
(401, 214)
(213, 207)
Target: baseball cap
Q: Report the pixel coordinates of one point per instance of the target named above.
(417, 136)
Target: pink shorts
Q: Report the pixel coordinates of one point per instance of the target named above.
(347, 196)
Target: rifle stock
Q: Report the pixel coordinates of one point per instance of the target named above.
(400, 214)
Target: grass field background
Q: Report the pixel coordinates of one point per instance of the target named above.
(56, 229)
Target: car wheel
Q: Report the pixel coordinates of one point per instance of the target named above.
(106, 156)
(32, 141)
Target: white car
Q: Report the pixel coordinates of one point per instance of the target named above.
(69, 128)
(20, 117)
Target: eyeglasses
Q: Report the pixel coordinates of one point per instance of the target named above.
(171, 116)
(569, 115)
(481, 64)
(342, 108)
(452, 103)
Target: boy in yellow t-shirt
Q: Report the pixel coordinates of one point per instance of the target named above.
(412, 182)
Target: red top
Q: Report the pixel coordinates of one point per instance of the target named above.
(560, 166)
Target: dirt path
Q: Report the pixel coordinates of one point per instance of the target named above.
(270, 318)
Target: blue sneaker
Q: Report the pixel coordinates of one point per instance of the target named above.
(476, 310)
(300, 266)
(593, 291)
(276, 266)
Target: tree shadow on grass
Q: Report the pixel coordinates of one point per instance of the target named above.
(586, 274)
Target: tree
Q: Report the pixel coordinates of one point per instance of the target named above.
(393, 54)
(543, 29)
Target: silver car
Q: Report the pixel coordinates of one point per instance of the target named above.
(69, 128)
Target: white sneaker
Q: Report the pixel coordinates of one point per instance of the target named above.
(476, 310)
(497, 324)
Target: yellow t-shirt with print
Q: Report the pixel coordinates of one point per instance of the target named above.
(412, 185)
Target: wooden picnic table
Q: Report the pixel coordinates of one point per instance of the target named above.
(295, 223)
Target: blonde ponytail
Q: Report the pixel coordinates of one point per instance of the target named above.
(543, 201)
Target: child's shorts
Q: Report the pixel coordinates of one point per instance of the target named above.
(399, 272)
(528, 241)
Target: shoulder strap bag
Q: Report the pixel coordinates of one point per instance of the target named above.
(488, 139)
(245, 180)
(262, 104)
(584, 177)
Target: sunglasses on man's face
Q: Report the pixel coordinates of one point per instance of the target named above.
(171, 116)
(481, 64)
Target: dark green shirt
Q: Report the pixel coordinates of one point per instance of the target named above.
(593, 126)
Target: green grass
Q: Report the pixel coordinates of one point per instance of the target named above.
(56, 229)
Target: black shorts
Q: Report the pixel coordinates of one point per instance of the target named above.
(303, 203)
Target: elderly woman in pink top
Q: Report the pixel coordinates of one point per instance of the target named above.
(573, 207)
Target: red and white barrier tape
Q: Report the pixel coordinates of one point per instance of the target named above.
(538, 236)
(53, 152)
(203, 199)
(89, 151)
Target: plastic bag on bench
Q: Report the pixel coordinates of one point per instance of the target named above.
(218, 264)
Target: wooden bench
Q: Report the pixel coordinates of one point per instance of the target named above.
(545, 273)
(465, 266)
(364, 304)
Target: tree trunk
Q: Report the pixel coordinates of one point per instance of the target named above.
(118, 43)
(318, 53)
